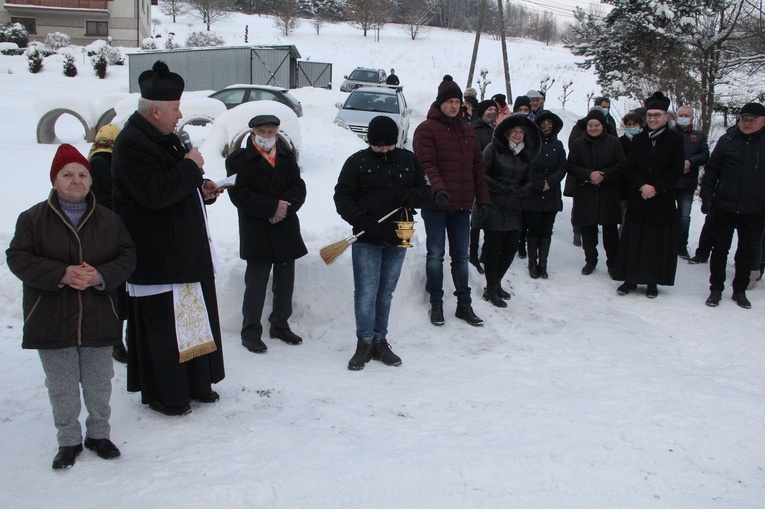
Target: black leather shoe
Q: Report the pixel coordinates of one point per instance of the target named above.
(103, 447)
(697, 259)
(683, 253)
(466, 313)
(437, 314)
(625, 288)
(210, 397)
(255, 345)
(588, 269)
(503, 294)
(66, 456)
(119, 353)
(652, 292)
(286, 335)
(741, 300)
(172, 411)
(714, 299)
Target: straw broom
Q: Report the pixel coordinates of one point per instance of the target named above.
(333, 251)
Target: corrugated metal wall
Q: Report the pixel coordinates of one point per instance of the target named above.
(216, 68)
(314, 74)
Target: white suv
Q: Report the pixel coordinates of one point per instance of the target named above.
(365, 103)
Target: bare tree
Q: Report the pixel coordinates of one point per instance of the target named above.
(566, 92)
(368, 14)
(210, 11)
(414, 16)
(173, 8)
(286, 16)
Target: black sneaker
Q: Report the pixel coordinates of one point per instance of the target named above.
(714, 299)
(741, 300)
(381, 352)
(361, 357)
(466, 313)
(437, 314)
(652, 292)
(697, 259)
(625, 288)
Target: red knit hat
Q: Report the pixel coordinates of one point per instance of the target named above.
(448, 89)
(64, 155)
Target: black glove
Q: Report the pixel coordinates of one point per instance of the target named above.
(482, 212)
(367, 224)
(704, 207)
(441, 197)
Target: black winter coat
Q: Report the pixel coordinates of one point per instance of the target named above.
(259, 187)
(697, 152)
(550, 166)
(44, 245)
(371, 184)
(101, 175)
(596, 204)
(660, 165)
(157, 193)
(484, 131)
(510, 177)
(580, 130)
(734, 177)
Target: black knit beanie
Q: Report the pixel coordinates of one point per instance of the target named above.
(382, 131)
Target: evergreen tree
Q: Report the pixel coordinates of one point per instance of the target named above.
(70, 70)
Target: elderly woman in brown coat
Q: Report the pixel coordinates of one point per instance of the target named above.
(72, 255)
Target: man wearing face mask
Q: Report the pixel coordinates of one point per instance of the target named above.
(605, 103)
(696, 155)
(268, 193)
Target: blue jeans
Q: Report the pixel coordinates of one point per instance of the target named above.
(684, 199)
(438, 225)
(376, 270)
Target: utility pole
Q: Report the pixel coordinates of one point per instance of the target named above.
(504, 53)
(478, 31)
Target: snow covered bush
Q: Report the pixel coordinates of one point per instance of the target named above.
(169, 44)
(10, 49)
(149, 43)
(14, 32)
(113, 56)
(70, 70)
(204, 40)
(100, 62)
(35, 60)
(57, 40)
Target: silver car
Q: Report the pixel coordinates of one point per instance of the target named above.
(365, 103)
(362, 77)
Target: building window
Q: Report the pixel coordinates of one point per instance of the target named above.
(30, 24)
(98, 28)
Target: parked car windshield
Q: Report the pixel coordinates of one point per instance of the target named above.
(362, 75)
(371, 101)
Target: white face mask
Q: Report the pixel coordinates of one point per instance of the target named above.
(265, 143)
(683, 121)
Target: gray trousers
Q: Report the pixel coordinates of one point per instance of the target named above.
(65, 370)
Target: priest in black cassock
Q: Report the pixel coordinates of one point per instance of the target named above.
(173, 334)
(648, 245)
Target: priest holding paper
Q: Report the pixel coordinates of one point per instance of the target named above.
(173, 331)
(268, 193)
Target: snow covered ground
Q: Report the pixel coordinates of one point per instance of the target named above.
(571, 397)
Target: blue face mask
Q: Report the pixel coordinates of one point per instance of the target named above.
(605, 112)
(683, 121)
(632, 131)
